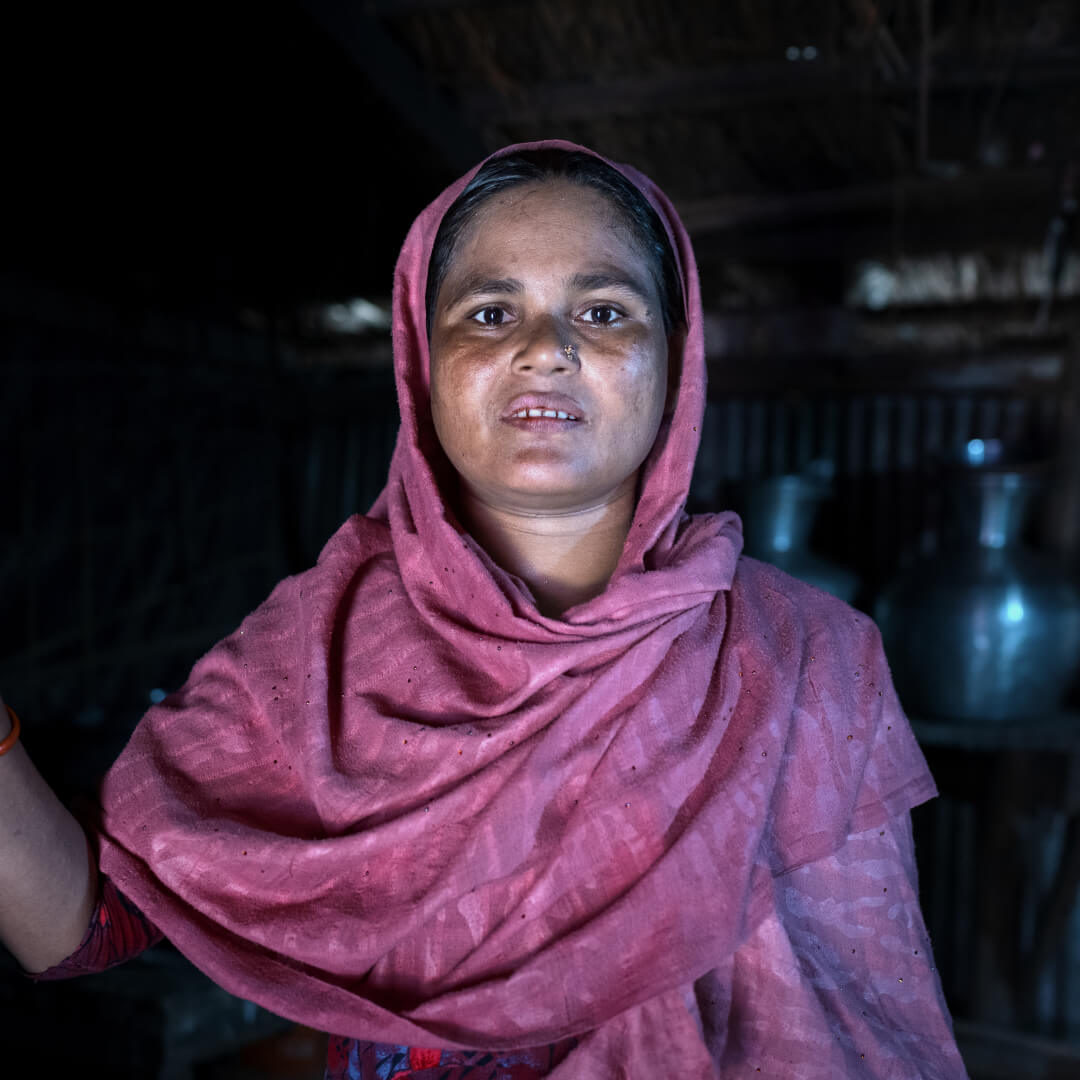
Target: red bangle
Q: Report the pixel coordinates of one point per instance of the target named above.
(13, 735)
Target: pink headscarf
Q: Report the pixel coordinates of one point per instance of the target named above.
(398, 803)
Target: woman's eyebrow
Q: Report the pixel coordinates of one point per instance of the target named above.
(602, 279)
(482, 285)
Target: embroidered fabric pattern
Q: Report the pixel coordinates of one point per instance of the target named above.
(349, 1059)
(118, 931)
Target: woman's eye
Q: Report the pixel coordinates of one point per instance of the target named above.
(601, 315)
(490, 316)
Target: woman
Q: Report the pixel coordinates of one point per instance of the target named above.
(531, 773)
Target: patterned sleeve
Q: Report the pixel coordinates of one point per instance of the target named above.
(843, 971)
(851, 760)
(117, 932)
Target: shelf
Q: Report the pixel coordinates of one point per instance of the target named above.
(1060, 732)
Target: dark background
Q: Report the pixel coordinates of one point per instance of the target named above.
(882, 195)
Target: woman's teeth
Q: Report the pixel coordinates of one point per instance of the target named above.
(549, 414)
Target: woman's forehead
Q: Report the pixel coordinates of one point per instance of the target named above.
(554, 198)
(527, 220)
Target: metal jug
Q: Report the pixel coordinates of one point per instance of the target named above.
(988, 629)
(778, 515)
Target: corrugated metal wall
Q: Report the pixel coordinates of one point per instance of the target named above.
(160, 476)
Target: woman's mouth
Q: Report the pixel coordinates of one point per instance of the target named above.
(544, 407)
(542, 414)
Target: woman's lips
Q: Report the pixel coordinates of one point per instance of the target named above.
(547, 414)
(546, 409)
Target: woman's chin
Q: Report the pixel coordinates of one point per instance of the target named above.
(555, 496)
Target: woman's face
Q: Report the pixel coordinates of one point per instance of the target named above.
(548, 352)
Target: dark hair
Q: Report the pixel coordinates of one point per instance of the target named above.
(532, 166)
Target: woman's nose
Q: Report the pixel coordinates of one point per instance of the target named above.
(548, 349)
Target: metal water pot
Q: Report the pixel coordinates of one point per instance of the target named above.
(778, 515)
(988, 629)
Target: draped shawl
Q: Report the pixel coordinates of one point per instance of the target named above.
(398, 803)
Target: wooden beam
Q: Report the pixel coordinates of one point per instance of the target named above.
(838, 241)
(743, 85)
(392, 9)
(400, 82)
(985, 347)
(1022, 187)
(817, 372)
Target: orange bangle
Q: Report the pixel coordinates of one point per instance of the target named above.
(13, 735)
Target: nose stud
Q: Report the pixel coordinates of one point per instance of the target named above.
(569, 350)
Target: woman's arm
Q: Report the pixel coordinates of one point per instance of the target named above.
(842, 970)
(48, 883)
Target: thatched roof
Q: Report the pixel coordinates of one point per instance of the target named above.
(797, 138)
